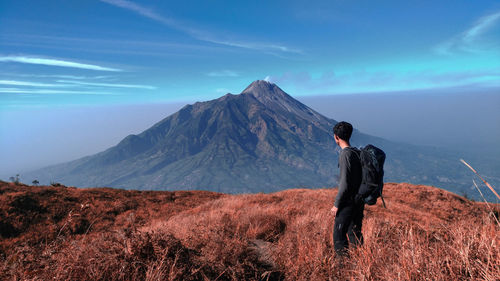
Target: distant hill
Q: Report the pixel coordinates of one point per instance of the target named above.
(67, 233)
(261, 140)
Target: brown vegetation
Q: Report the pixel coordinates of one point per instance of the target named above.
(64, 233)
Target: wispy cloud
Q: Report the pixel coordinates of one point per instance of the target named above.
(198, 33)
(469, 39)
(481, 26)
(75, 77)
(30, 84)
(223, 73)
(303, 80)
(222, 90)
(55, 62)
(108, 85)
(107, 46)
(362, 81)
(149, 13)
(251, 45)
(51, 92)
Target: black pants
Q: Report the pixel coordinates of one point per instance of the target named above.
(347, 227)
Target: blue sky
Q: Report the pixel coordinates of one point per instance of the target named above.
(77, 76)
(63, 53)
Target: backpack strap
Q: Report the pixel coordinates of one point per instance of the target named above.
(383, 201)
(356, 151)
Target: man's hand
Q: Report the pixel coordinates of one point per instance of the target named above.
(334, 210)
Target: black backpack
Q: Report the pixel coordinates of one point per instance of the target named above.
(372, 165)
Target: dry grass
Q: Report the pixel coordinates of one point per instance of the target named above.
(425, 234)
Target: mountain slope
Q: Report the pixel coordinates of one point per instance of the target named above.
(259, 140)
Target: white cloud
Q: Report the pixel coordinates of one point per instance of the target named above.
(108, 85)
(196, 33)
(105, 46)
(55, 62)
(469, 39)
(75, 77)
(79, 77)
(143, 11)
(223, 73)
(29, 84)
(222, 90)
(251, 45)
(363, 82)
(481, 26)
(60, 92)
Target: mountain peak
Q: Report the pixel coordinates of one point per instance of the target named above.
(273, 97)
(267, 92)
(261, 87)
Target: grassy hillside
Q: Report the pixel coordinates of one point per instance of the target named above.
(65, 233)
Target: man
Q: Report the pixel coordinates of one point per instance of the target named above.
(347, 210)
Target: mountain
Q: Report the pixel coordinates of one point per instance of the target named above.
(258, 141)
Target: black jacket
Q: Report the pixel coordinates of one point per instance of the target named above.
(349, 178)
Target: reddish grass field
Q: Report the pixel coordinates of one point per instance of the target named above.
(65, 233)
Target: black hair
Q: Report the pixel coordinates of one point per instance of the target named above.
(343, 130)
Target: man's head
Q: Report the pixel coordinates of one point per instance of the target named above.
(342, 131)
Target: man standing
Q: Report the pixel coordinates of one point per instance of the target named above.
(347, 210)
